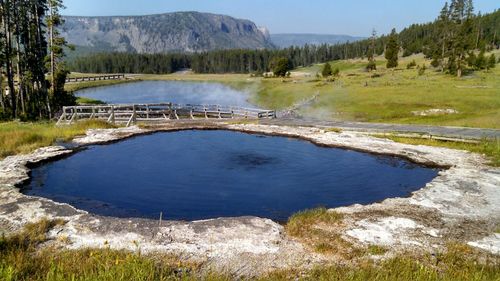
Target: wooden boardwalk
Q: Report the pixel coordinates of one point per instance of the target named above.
(129, 114)
(96, 78)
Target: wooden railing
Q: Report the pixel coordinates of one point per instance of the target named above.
(129, 114)
(96, 78)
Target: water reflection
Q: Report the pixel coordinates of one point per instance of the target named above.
(168, 91)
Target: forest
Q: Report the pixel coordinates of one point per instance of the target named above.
(449, 40)
(31, 59)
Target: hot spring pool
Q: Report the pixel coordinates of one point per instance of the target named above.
(193, 175)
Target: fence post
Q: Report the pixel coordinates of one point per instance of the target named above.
(133, 115)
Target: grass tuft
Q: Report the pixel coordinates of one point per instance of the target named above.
(302, 223)
(317, 228)
(377, 250)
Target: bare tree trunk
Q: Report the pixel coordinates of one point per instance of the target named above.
(19, 71)
(43, 85)
(1, 92)
(8, 53)
(442, 54)
(479, 31)
(51, 46)
(459, 66)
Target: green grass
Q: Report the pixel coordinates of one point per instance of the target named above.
(489, 148)
(73, 87)
(22, 259)
(84, 100)
(301, 223)
(22, 138)
(376, 250)
(393, 96)
(318, 229)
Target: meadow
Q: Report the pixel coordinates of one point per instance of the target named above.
(383, 96)
(22, 137)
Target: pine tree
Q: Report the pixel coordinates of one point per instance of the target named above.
(443, 26)
(462, 15)
(392, 50)
(480, 60)
(56, 52)
(371, 52)
(280, 66)
(327, 70)
(492, 62)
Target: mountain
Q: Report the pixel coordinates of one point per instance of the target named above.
(286, 40)
(171, 32)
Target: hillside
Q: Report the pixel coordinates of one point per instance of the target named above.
(172, 32)
(286, 40)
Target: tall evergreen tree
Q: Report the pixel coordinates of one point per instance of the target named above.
(440, 46)
(462, 15)
(327, 70)
(371, 52)
(56, 52)
(492, 62)
(392, 50)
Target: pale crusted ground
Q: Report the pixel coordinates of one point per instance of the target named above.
(461, 204)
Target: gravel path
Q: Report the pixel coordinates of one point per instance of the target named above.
(451, 132)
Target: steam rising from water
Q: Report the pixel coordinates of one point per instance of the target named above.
(169, 91)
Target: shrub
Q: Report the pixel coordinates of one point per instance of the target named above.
(411, 65)
(421, 70)
(371, 66)
(491, 62)
(327, 70)
(280, 66)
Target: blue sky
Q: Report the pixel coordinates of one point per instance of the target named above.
(352, 17)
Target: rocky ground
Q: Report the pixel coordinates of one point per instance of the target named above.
(461, 204)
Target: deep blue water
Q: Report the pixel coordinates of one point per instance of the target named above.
(192, 175)
(180, 92)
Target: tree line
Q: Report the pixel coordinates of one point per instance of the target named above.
(458, 31)
(33, 69)
(30, 49)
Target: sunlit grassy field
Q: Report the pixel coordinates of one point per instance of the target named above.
(393, 95)
(21, 138)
